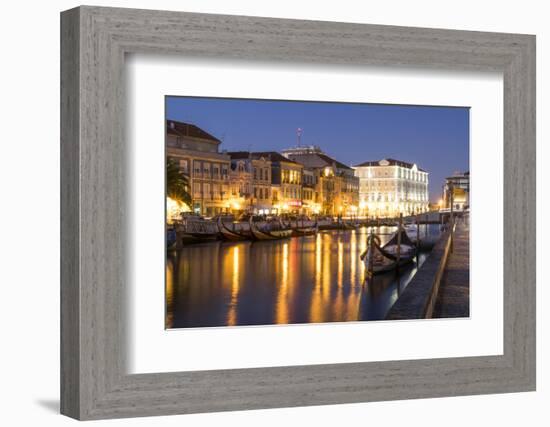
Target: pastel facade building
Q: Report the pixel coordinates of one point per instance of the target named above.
(250, 179)
(388, 187)
(197, 154)
(336, 188)
(286, 182)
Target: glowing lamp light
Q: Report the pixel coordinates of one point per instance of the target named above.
(174, 208)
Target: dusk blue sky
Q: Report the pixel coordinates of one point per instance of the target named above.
(435, 138)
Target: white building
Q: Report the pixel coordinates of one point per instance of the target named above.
(389, 187)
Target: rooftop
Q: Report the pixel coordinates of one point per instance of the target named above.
(183, 129)
(389, 162)
(313, 156)
(235, 155)
(273, 156)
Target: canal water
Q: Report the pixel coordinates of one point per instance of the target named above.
(299, 280)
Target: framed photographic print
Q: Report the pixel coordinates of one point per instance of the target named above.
(262, 213)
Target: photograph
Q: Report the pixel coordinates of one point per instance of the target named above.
(295, 212)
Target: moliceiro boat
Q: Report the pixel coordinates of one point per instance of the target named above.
(194, 229)
(305, 231)
(269, 232)
(303, 227)
(398, 251)
(346, 225)
(232, 234)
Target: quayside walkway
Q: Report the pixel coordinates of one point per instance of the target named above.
(441, 287)
(453, 299)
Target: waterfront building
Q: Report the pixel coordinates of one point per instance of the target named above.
(286, 182)
(459, 185)
(197, 154)
(240, 183)
(336, 186)
(389, 187)
(250, 179)
(261, 184)
(310, 197)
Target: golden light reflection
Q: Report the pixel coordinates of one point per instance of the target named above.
(314, 279)
(326, 268)
(318, 252)
(169, 321)
(363, 248)
(353, 257)
(316, 308)
(282, 296)
(174, 209)
(340, 278)
(232, 314)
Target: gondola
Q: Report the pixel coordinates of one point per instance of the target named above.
(231, 235)
(258, 234)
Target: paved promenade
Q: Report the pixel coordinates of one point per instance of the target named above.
(453, 296)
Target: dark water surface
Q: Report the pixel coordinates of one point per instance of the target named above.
(299, 280)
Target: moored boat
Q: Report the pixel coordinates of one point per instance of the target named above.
(195, 229)
(303, 227)
(187, 238)
(401, 244)
(348, 225)
(398, 251)
(231, 234)
(305, 231)
(269, 234)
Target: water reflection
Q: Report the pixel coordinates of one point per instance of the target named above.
(306, 279)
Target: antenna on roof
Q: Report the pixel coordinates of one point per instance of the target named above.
(299, 135)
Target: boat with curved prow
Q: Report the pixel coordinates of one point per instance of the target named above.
(346, 225)
(273, 234)
(380, 259)
(305, 231)
(229, 234)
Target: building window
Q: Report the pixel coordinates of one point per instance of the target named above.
(197, 190)
(184, 166)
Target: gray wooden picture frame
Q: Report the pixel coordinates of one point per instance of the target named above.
(94, 381)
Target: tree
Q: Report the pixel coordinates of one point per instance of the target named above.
(177, 184)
